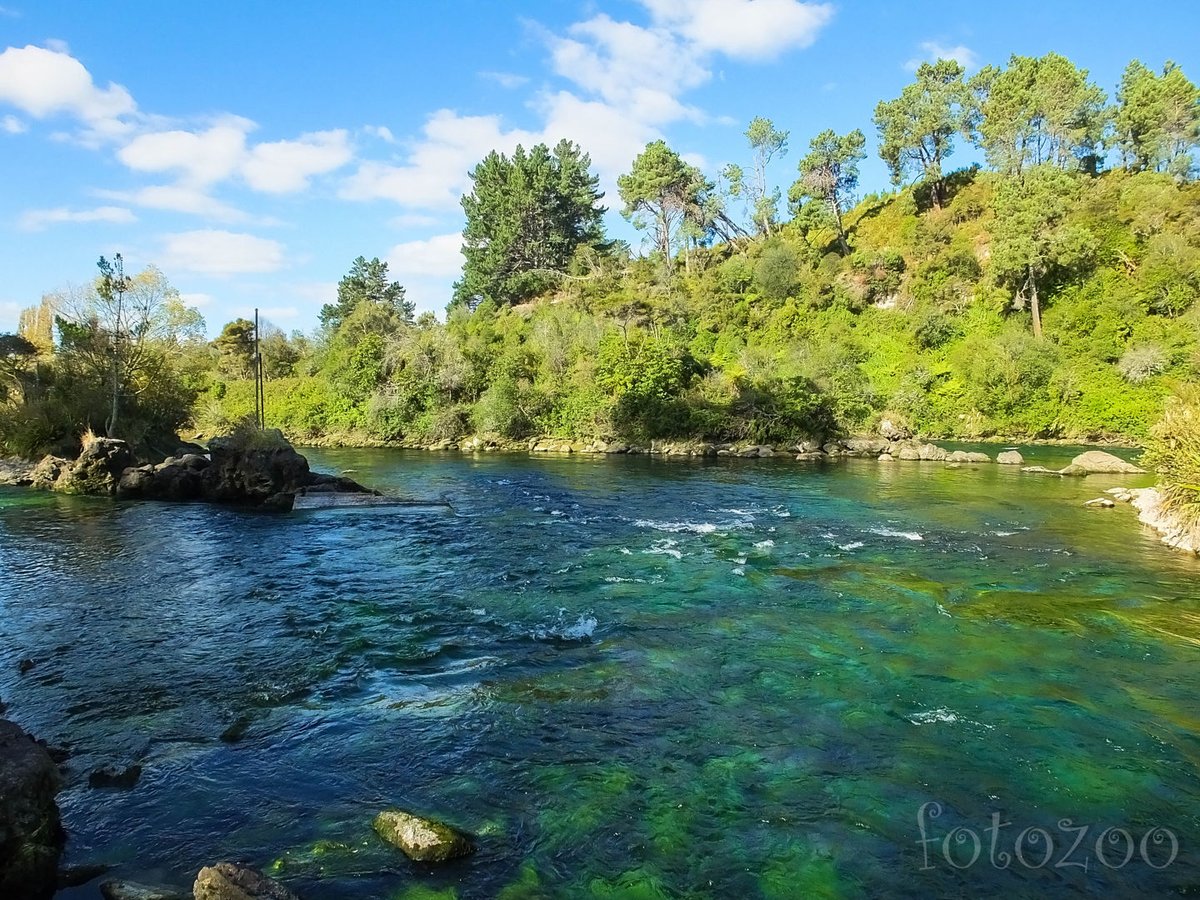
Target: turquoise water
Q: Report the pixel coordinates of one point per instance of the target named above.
(630, 677)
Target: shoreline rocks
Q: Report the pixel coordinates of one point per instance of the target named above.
(31, 834)
(254, 469)
(1148, 503)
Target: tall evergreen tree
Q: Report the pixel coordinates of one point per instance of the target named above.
(829, 174)
(366, 282)
(526, 217)
(917, 129)
(1157, 119)
(1039, 109)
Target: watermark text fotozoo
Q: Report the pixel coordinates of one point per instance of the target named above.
(1070, 846)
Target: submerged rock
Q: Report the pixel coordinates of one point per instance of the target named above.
(228, 881)
(967, 456)
(31, 835)
(1010, 458)
(1097, 462)
(131, 890)
(1100, 503)
(422, 840)
(115, 777)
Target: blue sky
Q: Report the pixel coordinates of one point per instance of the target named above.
(252, 150)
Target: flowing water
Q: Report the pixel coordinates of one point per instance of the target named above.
(630, 678)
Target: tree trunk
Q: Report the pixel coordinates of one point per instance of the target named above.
(837, 218)
(1035, 306)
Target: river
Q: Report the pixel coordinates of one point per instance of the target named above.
(629, 677)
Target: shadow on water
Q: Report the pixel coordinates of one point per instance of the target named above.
(629, 677)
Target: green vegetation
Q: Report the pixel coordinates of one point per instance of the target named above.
(1050, 295)
(1174, 451)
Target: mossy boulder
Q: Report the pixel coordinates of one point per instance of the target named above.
(421, 839)
(228, 881)
(31, 834)
(1097, 462)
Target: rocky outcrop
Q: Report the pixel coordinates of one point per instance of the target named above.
(967, 456)
(31, 835)
(422, 840)
(1010, 458)
(96, 470)
(1172, 532)
(15, 472)
(1097, 462)
(267, 472)
(228, 881)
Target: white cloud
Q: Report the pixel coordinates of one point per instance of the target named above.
(933, 51)
(743, 29)
(436, 257)
(212, 252)
(380, 131)
(9, 13)
(44, 82)
(39, 219)
(197, 300)
(507, 80)
(285, 166)
(178, 198)
(13, 125)
(201, 158)
(435, 173)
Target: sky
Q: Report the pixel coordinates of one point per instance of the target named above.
(252, 150)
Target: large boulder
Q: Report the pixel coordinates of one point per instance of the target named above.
(47, 472)
(15, 472)
(131, 890)
(31, 835)
(422, 840)
(228, 881)
(253, 472)
(1097, 462)
(97, 469)
(1010, 458)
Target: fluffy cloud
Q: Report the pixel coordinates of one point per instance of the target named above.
(506, 80)
(435, 174)
(436, 257)
(220, 253)
(933, 51)
(13, 125)
(202, 158)
(197, 300)
(743, 29)
(282, 167)
(199, 158)
(44, 82)
(39, 219)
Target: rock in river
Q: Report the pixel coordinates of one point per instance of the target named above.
(423, 840)
(31, 835)
(1097, 462)
(228, 881)
(1010, 458)
(131, 890)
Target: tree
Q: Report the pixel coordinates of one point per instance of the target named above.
(1031, 238)
(17, 355)
(1040, 109)
(662, 185)
(121, 330)
(366, 282)
(917, 129)
(829, 174)
(766, 143)
(1157, 119)
(235, 349)
(36, 324)
(526, 217)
